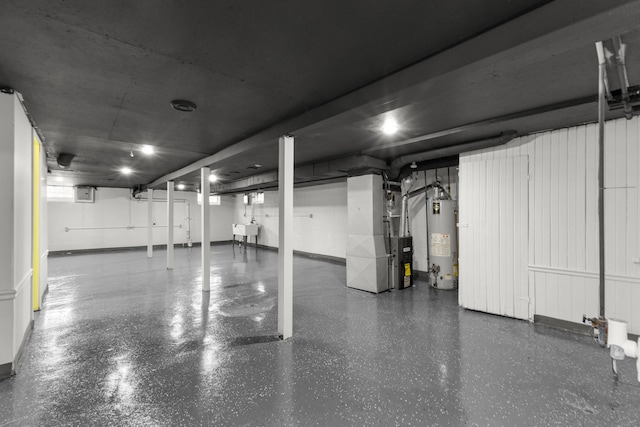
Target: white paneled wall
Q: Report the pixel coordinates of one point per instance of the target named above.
(563, 219)
(493, 222)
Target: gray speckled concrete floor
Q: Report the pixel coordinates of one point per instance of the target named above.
(123, 341)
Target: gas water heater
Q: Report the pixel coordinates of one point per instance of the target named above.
(442, 243)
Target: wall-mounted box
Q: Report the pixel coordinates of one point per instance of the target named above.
(84, 194)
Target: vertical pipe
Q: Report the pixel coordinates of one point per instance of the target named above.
(206, 229)
(403, 217)
(601, 114)
(285, 246)
(149, 223)
(169, 225)
(426, 219)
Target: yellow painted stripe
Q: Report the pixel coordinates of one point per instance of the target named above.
(36, 223)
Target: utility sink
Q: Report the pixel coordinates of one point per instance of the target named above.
(245, 229)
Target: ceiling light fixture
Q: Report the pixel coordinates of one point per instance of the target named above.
(390, 126)
(414, 165)
(147, 149)
(181, 186)
(183, 105)
(213, 178)
(131, 153)
(126, 171)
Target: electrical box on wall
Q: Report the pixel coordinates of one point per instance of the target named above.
(84, 194)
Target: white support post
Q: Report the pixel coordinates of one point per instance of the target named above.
(149, 223)
(206, 229)
(285, 245)
(170, 225)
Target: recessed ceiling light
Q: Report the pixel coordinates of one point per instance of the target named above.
(390, 126)
(126, 171)
(147, 149)
(213, 178)
(183, 105)
(181, 186)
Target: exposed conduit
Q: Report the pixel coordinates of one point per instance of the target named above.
(601, 113)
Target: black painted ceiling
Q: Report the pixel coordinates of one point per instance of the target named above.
(97, 77)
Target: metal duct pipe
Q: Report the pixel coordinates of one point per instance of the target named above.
(601, 116)
(441, 163)
(403, 218)
(398, 163)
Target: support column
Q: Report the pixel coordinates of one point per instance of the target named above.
(170, 225)
(206, 229)
(285, 244)
(150, 223)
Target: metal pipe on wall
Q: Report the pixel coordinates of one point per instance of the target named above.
(601, 117)
(170, 216)
(150, 223)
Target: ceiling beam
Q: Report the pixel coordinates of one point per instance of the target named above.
(518, 115)
(558, 26)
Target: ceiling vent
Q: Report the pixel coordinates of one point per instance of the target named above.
(64, 159)
(184, 106)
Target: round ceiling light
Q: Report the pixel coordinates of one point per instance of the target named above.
(390, 126)
(184, 106)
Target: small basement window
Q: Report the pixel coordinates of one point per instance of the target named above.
(58, 193)
(213, 200)
(257, 198)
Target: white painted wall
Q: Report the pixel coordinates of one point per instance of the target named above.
(7, 283)
(15, 227)
(320, 219)
(563, 219)
(104, 224)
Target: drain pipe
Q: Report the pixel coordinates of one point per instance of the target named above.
(601, 113)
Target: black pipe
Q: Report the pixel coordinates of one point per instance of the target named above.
(601, 117)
